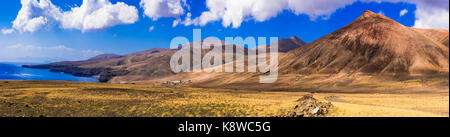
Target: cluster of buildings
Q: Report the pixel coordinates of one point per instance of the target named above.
(175, 83)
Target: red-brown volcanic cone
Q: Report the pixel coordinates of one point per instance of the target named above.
(372, 44)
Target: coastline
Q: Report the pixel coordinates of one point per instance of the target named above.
(16, 71)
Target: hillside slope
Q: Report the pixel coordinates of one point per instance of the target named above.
(372, 44)
(441, 36)
(139, 66)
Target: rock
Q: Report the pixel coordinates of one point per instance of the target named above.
(308, 106)
(292, 114)
(315, 110)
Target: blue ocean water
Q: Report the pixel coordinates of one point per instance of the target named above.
(14, 71)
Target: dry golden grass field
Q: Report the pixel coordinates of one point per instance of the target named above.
(84, 99)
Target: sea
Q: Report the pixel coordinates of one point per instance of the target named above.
(15, 71)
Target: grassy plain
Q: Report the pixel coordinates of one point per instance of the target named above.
(84, 99)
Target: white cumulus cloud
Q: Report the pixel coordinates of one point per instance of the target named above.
(432, 14)
(91, 15)
(98, 14)
(155, 9)
(234, 12)
(437, 18)
(187, 21)
(317, 8)
(34, 15)
(429, 13)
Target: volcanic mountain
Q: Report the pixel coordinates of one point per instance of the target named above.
(285, 45)
(139, 66)
(104, 57)
(372, 44)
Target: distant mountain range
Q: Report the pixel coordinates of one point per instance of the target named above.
(372, 44)
(149, 64)
(34, 60)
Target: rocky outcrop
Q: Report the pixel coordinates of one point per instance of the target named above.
(105, 57)
(106, 75)
(308, 106)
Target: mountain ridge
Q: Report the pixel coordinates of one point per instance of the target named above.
(149, 64)
(372, 43)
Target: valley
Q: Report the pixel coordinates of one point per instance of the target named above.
(88, 99)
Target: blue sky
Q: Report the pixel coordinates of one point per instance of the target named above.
(137, 36)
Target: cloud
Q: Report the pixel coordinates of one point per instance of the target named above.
(187, 21)
(429, 13)
(403, 12)
(101, 14)
(34, 15)
(437, 19)
(7, 31)
(155, 9)
(317, 8)
(98, 14)
(61, 52)
(91, 15)
(151, 28)
(234, 12)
